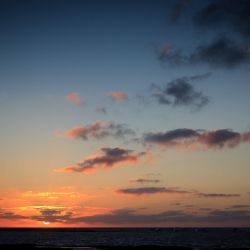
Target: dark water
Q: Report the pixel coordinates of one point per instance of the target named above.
(206, 238)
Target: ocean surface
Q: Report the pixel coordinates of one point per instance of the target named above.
(196, 238)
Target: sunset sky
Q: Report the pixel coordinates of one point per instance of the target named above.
(123, 113)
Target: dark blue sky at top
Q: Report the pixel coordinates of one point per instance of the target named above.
(66, 39)
(92, 47)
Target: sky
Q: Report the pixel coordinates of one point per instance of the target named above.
(124, 113)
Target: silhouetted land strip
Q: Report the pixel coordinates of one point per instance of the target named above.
(125, 238)
(34, 247)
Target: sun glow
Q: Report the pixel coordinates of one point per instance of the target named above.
(46, 222)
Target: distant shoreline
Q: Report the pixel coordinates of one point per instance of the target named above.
(106, 229)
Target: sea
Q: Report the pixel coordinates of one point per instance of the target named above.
(102, 238)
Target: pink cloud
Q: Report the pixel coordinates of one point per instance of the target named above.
(97, 129)
(73, 97)
(118, 96)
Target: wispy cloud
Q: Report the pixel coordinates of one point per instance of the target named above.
(74, 97)
(217, 195)
(98, 130)
(144, 180)
(138, 191)
(118, 96)
(110, 157)
(150, 190)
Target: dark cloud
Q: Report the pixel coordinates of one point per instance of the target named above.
(150, 190)
(220, 138)
(11, 216)
(180, 92)
(145, 180)
(222, 17)
(163, 190)
(109, 158)
(222, 52)
(225, 14)
(188, 137)
(130, 216)
(49, 212)
(53, 215)
(171, 137)
(217, 195)
(99, 130)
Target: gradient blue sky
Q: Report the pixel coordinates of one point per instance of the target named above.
(52, 48)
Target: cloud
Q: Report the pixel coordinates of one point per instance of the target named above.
(163, 190)
(171, 137)
(230, 15)
(99, 130)
(144, 180)
(118, 96)
(196, 138)
(53, 215)
(129, 216)
(220, 138)
(11, 216)
(100, 109)
(222, 52)
(150, 190)
(73, 97)
(49, 212)
(110, 157)
(241, 206)
(221, 17)
(180, 92)
(217, 195)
